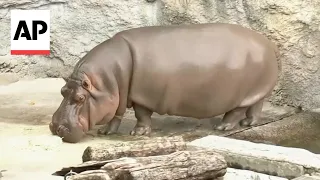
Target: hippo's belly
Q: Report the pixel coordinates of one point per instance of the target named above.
(196, 89)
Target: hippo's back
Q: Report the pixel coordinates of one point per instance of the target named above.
(199, 70)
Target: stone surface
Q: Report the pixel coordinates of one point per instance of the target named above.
(264, 158)
(8, 78)
(77, 26)
(239, 174)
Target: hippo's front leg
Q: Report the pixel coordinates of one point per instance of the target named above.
(111, 127)
(143, 115)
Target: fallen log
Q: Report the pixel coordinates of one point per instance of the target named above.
(180, 165)
(91, 175)
(86, 166)
(140, 148)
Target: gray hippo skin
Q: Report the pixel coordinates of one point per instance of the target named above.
(198, 71)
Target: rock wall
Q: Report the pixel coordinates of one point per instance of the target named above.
(79, 25)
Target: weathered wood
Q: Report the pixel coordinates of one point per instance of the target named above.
(180, 165)
(91, 175)
(89, 165)
(140, 148)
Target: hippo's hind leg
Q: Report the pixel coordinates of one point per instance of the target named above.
(253, 114)
(143, 115)
(232, 118)
(111, 127)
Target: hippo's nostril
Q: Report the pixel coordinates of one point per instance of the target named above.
(59, 129)
(62, 131)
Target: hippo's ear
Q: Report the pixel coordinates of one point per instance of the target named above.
(65, 79)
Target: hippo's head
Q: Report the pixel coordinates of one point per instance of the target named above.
(83, 106)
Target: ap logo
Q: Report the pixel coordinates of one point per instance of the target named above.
(30, 32)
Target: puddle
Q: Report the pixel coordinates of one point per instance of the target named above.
(311, 145)
(301, 130)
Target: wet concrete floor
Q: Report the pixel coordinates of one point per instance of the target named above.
(27, 145)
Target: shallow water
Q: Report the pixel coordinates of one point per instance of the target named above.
(312, 145)
(301, 130)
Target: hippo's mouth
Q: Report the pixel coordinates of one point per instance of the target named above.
(72, 135)
(83, 124)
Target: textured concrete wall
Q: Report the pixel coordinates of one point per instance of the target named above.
(79, 25)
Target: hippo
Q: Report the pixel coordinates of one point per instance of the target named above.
(195, 70)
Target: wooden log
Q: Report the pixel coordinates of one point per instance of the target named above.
(140, 148)
(86, 166)
(91, 175)
(180, 165)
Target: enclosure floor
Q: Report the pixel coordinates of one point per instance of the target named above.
(28, 149)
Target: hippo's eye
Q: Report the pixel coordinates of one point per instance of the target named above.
(80, 98)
